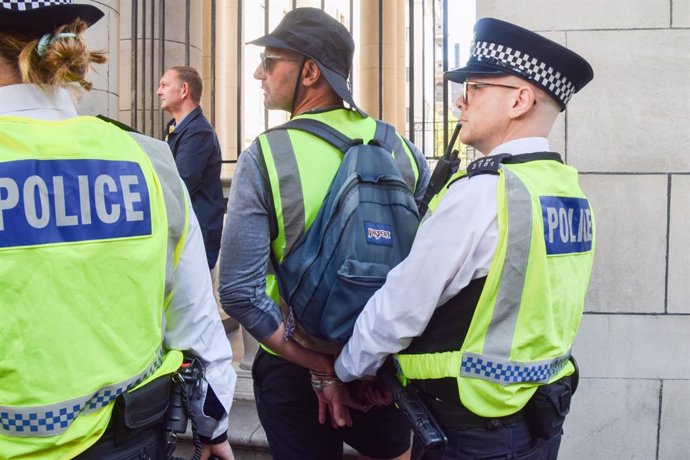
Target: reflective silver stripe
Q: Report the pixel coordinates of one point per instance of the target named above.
(499, 337)
(291, 195)
(174, 190)
(494, 363)
(505, 372)
(404, 163)
(54, 419)
(399, 153)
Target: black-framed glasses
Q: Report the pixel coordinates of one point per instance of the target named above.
(479, 84)
(267, 58)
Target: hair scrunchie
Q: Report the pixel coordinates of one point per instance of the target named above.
(47, 39)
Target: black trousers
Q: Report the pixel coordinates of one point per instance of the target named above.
(288, 411)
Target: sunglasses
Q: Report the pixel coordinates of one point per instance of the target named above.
(266, 60)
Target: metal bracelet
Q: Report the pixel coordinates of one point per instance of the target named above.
(320, 384)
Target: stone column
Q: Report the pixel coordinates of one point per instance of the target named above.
(369, 76)
(401, 71)
(104, 35)
(139, 75)
(206, 56)
(227, 62)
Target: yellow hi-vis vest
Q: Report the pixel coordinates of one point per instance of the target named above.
(92, 224)
(530, 307)
(300, 169)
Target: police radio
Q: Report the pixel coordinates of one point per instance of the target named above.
(446, 166)
(184, 383)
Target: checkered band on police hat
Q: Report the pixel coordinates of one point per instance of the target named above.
(499, 47)
(44, 16)
(26, 5)
(530, 67)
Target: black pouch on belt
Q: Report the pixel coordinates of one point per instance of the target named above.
(549, 406)
(141, 408)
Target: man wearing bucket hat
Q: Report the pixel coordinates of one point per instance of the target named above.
(506, 252)
(103, 276)
(304, 70)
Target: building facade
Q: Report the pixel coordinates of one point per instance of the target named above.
(626, 132)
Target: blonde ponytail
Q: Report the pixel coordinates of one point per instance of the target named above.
(65, 59)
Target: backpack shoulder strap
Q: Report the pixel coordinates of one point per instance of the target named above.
(321, 130)
(387, 137)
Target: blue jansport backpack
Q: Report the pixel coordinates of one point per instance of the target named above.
(364, 228)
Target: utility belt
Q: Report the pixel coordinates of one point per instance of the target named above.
(140, 409)
(453, 414)
(545, 412)
(161, 405)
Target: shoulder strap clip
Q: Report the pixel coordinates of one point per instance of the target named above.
(487, 165)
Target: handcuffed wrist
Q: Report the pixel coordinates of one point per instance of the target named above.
(320, 380)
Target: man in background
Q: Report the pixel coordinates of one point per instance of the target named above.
(196, 150)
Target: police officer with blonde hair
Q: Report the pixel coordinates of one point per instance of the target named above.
(484, 311)
(103, 275)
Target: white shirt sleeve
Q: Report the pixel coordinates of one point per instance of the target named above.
(453, 246)
(193, 325)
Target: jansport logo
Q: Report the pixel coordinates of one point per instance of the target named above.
(378, 233)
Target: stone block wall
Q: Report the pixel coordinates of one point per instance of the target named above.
(628, 133)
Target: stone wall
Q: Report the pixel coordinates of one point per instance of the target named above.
(104, 35)
(628, 132)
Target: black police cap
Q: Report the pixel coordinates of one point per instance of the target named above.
(500, 47)
(43, 16)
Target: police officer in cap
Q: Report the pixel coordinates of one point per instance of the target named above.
(103, 277)
(484, 311)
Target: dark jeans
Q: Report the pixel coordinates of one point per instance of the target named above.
(288, 411)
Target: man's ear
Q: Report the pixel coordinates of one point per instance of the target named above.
(184, 89)
(523, 101)
(310, 73)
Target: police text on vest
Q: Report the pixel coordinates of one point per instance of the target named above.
(567, 224)
(54, 201)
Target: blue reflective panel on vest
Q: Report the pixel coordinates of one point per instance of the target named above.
(54, 201)
(567, 224)
(378, 233)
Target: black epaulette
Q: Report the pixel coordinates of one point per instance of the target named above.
(487, 165)
(119, 124)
